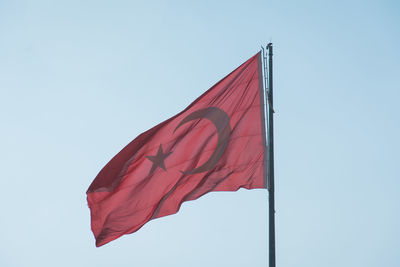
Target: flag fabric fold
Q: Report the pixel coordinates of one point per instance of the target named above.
(216, 144)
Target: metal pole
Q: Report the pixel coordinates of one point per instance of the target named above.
(271, 185)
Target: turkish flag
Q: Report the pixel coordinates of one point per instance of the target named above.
(216, 144)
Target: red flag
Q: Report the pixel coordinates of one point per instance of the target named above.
(216, 144)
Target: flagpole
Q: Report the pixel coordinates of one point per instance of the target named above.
(271, 185)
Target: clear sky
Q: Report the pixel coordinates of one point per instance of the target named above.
(81, 79)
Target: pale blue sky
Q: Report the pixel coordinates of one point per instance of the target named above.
(80, 79)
